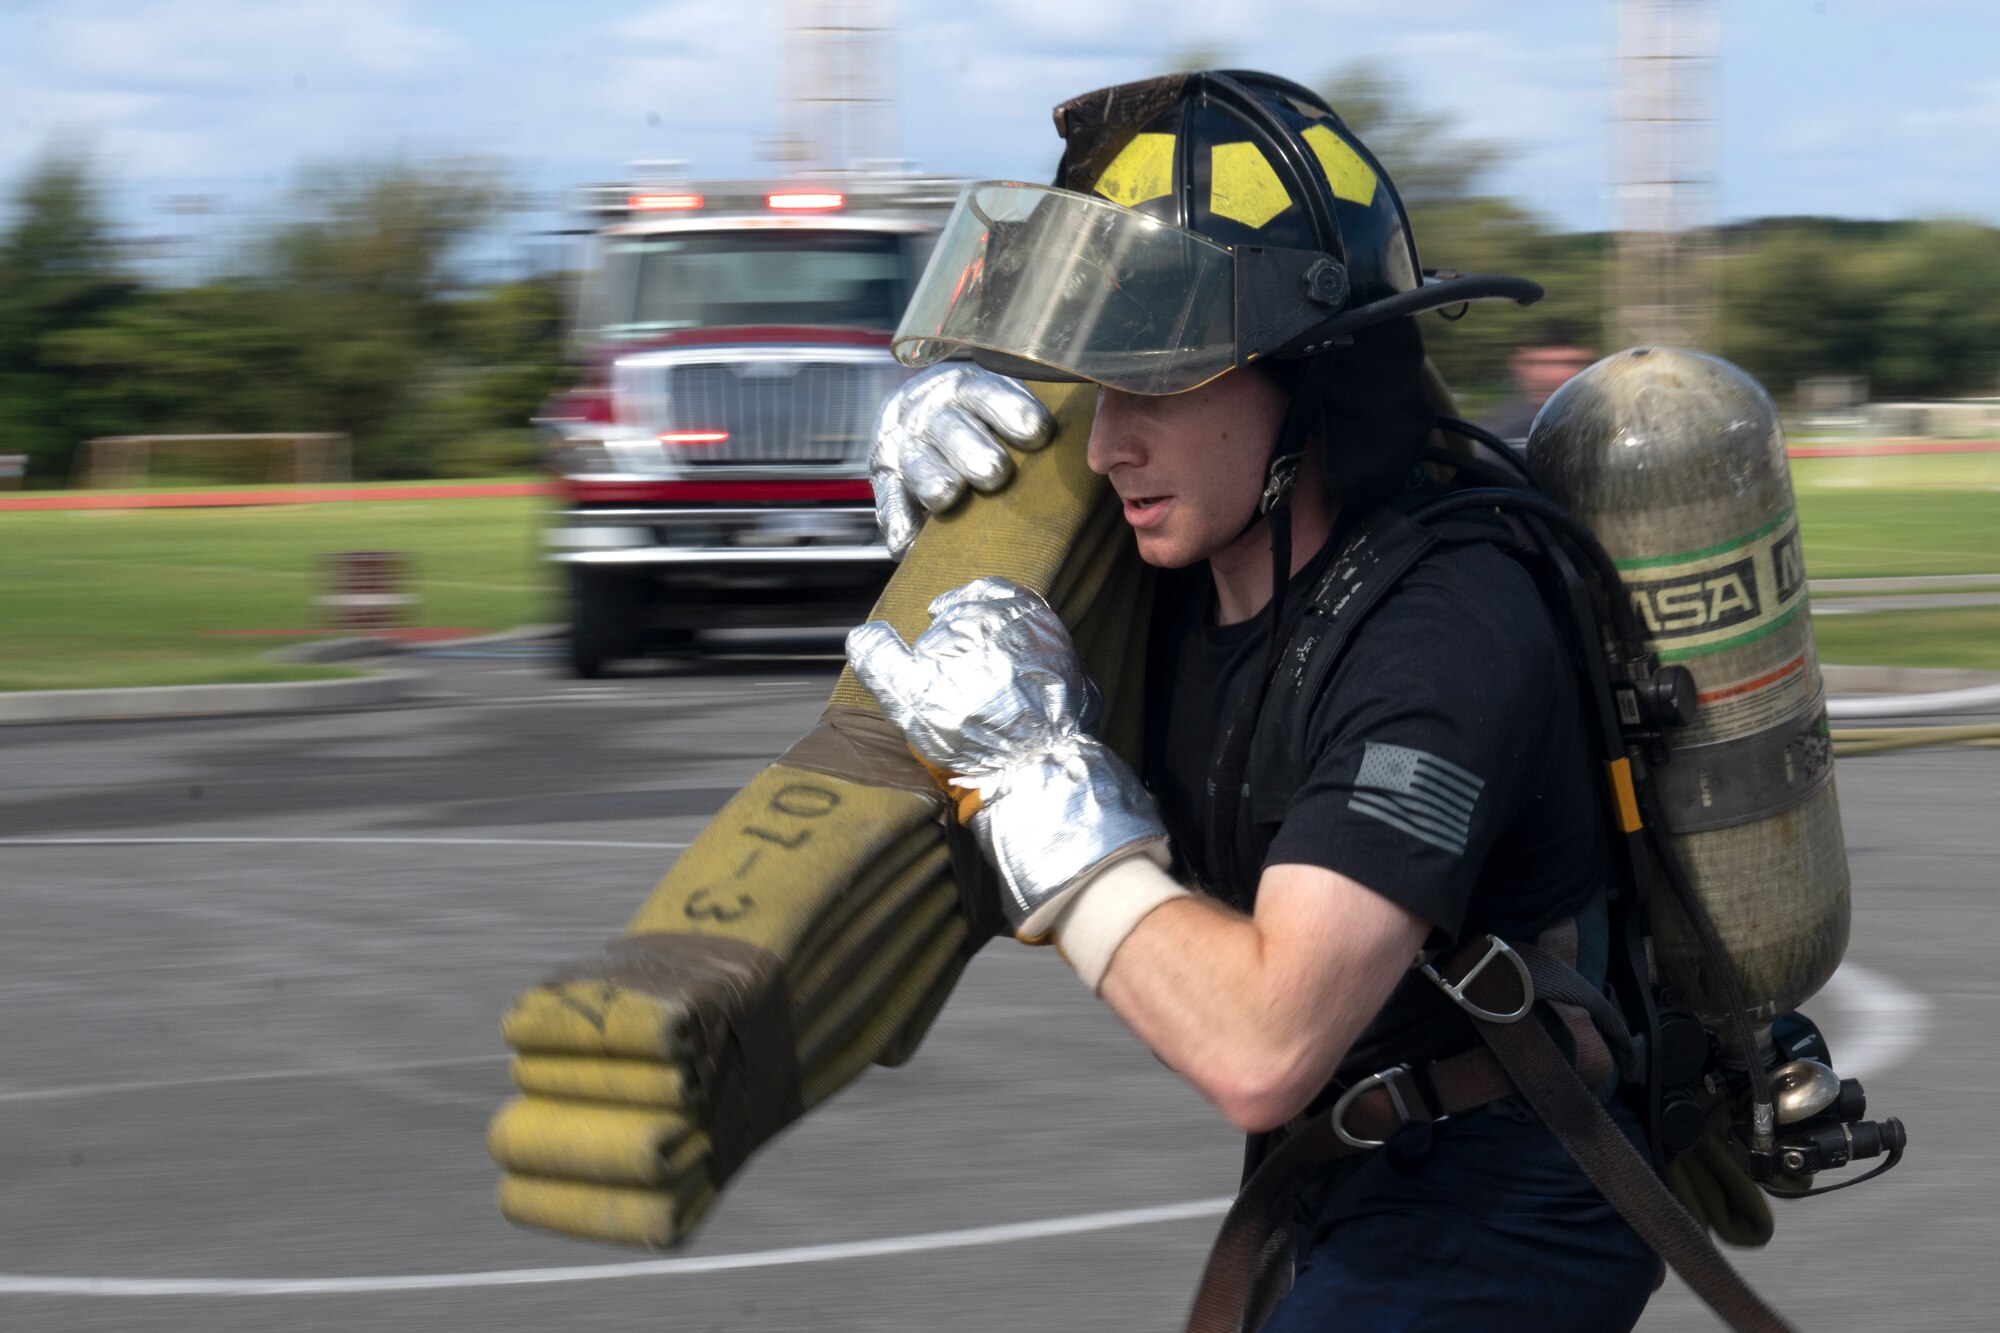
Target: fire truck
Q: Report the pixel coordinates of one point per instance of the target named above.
(711, 465)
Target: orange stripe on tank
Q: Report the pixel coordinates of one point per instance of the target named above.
(1745, 686)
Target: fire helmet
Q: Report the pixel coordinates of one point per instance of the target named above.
(1198, 223)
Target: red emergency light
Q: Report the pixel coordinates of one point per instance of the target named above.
(694, 437)
(805, 201)
(666, 201)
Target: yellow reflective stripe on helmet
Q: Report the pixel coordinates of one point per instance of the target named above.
(1242, 185)
(1143, 169)
(1350, 176)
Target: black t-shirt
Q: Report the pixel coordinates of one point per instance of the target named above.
(1447, 756)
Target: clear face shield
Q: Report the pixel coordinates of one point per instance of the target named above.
(1047, 284)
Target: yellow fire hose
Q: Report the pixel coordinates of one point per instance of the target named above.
(1876, 740)
(814, 926)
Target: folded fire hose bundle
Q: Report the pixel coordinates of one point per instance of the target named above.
(816, 925)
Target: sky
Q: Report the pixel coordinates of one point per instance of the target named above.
(1884, 109)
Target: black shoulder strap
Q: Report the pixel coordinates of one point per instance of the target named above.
(1375, 554)
(1375, 550)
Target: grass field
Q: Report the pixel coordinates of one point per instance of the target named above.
(196, 483)
(1967, 637)
(130, 597)
(1930, 514)
(1907, 516)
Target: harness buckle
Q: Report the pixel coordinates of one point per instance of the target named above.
(1278, 480)
(1495, 948)
(1386, 1080)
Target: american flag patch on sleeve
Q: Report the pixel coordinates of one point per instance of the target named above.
(1429, 798)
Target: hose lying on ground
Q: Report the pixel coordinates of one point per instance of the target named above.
(815, 925)
(1875, 740)
(1873, 708)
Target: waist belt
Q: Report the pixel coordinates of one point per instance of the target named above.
(1497, 985)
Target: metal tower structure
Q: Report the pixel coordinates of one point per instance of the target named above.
(1663, 275)
(839, 97)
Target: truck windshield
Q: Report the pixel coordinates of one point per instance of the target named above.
(650, 285)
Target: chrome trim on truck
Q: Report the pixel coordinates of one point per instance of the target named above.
(725, 555)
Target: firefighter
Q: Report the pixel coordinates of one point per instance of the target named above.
(1234, 270)
(1538, 368)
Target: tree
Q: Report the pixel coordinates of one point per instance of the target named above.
(193, 360)
(1430, 161)
(346, 318)
(1912, 307)
(59, 272)
(1200, 56)
(512, 333)
(1439, 173)
(360, 281)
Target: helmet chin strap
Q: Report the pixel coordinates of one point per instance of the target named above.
(1281, 473)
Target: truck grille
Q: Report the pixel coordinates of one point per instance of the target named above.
(798, 412)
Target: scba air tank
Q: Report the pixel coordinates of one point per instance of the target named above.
(1676, 461)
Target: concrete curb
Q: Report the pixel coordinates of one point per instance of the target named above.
(371, 691)
(385, 687)
(25, 707)
(347, 649)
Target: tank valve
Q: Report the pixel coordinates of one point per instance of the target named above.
(1819, 1115)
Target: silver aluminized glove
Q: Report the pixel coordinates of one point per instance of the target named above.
(941, 431)
(993, 694)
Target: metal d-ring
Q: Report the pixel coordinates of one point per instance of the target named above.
(1385, 1079)
(1495, 948)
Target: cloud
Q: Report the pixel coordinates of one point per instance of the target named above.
(228, 88)
(206, 47)
(698, 61)
(237, 94)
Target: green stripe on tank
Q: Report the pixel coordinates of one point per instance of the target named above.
(1683, 557)
(1748, 636)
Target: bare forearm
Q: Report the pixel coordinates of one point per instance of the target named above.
(1193, 983)
(1256, 1013)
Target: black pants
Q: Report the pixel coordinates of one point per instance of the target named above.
(1482, 1222)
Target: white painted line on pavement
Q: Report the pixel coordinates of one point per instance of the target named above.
(886, 1247)
(1886, 1021)
(357, 840)
(266, 1076)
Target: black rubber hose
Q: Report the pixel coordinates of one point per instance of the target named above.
(1627, 630)
(1631, 640)
(1477, 469)
(1473, 431)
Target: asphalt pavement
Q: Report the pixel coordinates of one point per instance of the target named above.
(254, 968)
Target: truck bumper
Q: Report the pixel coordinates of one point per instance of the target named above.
(707, 568)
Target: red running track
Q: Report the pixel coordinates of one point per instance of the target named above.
(289, 495)
(1893, 448)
